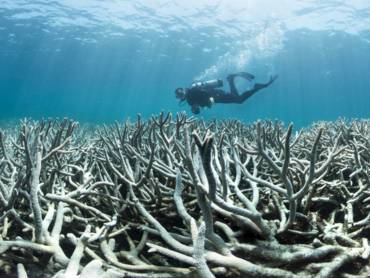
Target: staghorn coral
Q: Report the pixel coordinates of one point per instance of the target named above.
(179, 197)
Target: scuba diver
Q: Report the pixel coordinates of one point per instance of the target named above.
(205, 94)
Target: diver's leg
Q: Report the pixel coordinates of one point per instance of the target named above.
(233, 98)
(247, 94)
(233, 90)
(244, 96)
(259, 86)
(231, 79)
(245, 75)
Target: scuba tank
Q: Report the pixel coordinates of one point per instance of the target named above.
(211, 84)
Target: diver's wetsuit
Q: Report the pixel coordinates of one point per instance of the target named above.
(201, 97)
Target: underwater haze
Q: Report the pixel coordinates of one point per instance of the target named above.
(102, 61)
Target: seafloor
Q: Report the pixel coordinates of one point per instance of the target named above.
(178, 197)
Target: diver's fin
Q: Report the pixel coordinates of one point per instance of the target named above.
(245, 75)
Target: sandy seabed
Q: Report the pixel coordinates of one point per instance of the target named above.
(173, 196)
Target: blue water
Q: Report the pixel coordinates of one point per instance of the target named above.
(101, 61)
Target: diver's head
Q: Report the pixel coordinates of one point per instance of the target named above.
(195, 109)
(180, 93)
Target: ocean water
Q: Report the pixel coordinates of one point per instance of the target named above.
(102, 61)
(174, 196)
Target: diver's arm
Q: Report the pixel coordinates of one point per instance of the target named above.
(211, 102)
(195, 109)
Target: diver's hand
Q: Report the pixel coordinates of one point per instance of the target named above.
(195, 109)
(211, 101)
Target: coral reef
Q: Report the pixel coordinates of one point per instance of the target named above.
(179, 197)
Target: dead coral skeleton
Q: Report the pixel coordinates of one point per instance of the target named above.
(176, 197)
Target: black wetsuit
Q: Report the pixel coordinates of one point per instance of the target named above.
(200, 96)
